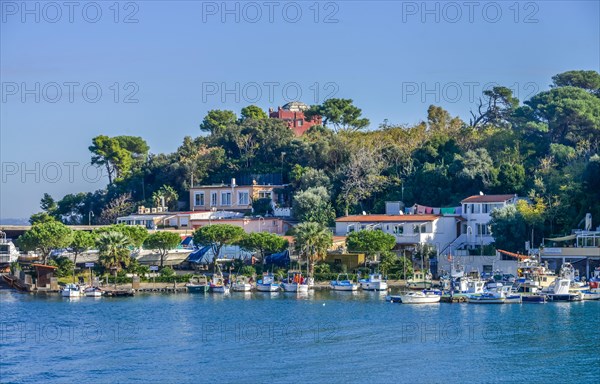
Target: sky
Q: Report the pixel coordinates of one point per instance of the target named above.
(73, 70)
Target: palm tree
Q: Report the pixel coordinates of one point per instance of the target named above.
(114, 251)
(313, 240)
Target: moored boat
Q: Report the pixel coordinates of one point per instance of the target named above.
(502, 296)
(71, 290)
(200, 285)
(375, 282)
(267, 283)
(424, 297)
(343, 283)
(295, 282)
(241, 284)
(93, 292)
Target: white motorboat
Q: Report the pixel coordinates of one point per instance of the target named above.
(501, 296)
(375, 282)
(217, 285)
(92, 292)
(241, 284)
(267, 283)
(295, 282)
(71, 290)
(343, 283)
(590, 294)
(420, 298)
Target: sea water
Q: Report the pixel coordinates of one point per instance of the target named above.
(322, 337)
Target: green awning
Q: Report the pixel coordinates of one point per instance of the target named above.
(564, 238)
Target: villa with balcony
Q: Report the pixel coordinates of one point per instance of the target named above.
(233, 197)
(475, 230)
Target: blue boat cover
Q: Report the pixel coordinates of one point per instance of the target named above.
(281, 259)
(197, 256)
(186, 242)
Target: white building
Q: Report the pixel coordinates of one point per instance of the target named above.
(409, 230)
(475, 230)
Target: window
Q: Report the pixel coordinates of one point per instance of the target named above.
(476, 208)
(213, 198)
(300, 123)
(225, 198)
(199, 198)
(398, 229)
(264, 194)
(483, 229)
(243, 198)
(486, 208)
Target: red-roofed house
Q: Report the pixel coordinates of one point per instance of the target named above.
(293, 114)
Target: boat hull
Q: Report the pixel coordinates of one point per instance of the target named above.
(533, 299)
(374, 286)
(198, 288)
(345, 288)
(219, 289)
(295, 287)
(241, 287)
(563, 297)
(588, 295)
(428, 299)
(267, 287)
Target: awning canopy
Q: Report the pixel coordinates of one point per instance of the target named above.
(564, 238)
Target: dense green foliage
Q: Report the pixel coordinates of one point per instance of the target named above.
(44, 237)
(162, 242)
(263, 243)
(217, 236)
(370, 242)
(544, 148)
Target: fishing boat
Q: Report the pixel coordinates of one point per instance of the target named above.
(93, 292)
(241, 284)
(295, 282)
(375, 282)
(343, 283)
(267, 283)
(423, 297)
(200, 285)
(71, 290)
(419, 280)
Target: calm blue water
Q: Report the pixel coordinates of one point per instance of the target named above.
(327, 337)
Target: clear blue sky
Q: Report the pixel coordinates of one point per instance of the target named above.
(393, 58)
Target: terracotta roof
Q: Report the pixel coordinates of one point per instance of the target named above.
(386, 218)
(488, 198)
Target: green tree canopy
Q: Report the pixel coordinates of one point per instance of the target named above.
(253, 112)
(370, 242)
(113, 248)
(314, 205)
(44, 237)
(509, 229)
(342, 114)
(162, 242)
(312, 240)
(135, 233)
(218, 235)
(588, 80)
(263, 243)
(117, 154)
(217, 120)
